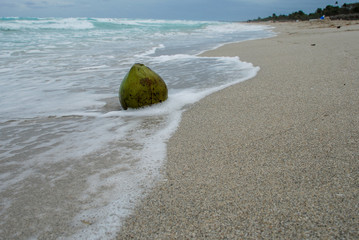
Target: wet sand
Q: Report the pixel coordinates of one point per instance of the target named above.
(274, 157)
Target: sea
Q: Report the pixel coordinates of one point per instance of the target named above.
(73, 163)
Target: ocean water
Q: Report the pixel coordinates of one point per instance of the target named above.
(72, 162)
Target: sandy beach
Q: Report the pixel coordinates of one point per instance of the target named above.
(274, 157)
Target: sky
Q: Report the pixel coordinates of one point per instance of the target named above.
(223, 10)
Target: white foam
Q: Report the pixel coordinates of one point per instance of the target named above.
(146, 22)
(232, 27)
(151, 51)
(175, 57)
(92, 68)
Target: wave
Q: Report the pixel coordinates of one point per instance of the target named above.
(15, 23)
(19, 23)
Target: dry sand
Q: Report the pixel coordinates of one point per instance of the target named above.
(275, 157)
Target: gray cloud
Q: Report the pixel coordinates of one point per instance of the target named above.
(8, 4)
(43, 4)
(163, 9)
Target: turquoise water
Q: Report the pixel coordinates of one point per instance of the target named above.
(72, 162)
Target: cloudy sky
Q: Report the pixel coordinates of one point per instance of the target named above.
(160, 9)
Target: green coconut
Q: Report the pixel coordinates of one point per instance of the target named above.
(142, 87)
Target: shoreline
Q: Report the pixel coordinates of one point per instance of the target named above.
(272, 157)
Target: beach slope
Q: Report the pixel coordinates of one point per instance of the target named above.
(274, 157)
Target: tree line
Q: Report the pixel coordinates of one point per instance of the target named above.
(346, 11)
